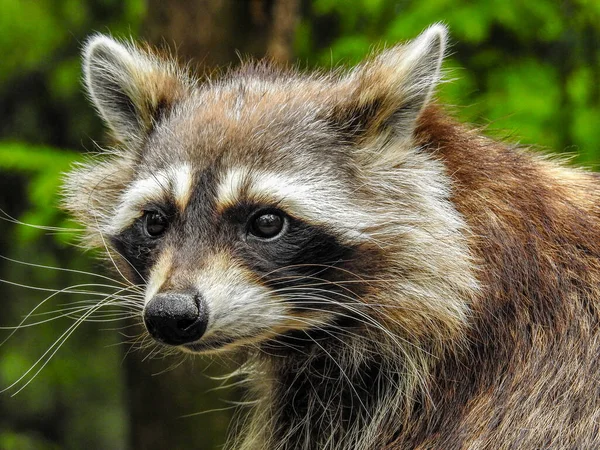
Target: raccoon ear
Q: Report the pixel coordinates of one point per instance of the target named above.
(388, 92)
(130, 87)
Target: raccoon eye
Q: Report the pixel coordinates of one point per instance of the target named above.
(267, 225)
(155, 223)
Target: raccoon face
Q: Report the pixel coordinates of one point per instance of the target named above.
(254, 208)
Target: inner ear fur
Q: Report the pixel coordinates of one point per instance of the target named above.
(387, 93)
(130, 87)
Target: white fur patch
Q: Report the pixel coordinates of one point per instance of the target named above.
(311, 198)
(183, 184)
(176, 183)
(238, 306)
(228, 191)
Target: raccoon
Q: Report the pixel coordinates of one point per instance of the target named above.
(389, 278)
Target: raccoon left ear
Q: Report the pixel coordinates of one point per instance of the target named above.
(388, 92)
(130, 87)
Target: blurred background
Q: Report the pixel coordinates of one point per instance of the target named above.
(527, 71)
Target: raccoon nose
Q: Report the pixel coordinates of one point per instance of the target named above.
(176, 318)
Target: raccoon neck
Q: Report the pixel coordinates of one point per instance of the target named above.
(333, 395)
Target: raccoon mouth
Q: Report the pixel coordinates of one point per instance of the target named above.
(210, 344)
(219, 342)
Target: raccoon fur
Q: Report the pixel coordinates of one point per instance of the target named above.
(390, 278)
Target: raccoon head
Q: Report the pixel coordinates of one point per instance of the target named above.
(269, 204)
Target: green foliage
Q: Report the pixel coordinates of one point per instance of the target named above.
(39, 70)
(20, 441)
(43, 166)
(80, 403)
(34, 30)
(529, 69)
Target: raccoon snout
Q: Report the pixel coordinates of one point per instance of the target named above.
(175, 318)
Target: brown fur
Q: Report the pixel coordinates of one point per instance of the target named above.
(529, 377)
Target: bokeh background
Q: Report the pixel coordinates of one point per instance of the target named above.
(527, 71)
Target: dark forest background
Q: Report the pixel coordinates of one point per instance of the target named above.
(527, 71)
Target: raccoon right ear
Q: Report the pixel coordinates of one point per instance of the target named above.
(131, 88)
(385, 95)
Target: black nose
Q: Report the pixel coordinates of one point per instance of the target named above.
(176, 318)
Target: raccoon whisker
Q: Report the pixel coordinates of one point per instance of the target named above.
(134, 342)
(342, 282)
(123, 327)
(239, 372)
(125, 308)
(40, 322)
(119, 309)
(49, 353)
(322, 282)
(111, 319)
(8, 218)
(66, 309)
(356, 300)
(343, 372)
(116, 297)
(109, 253)
(350, 295)
(333, 329)
(362, 316)
(131, 337)
(67, 290)
(132, 298)
(124, 301)
(243, 403)
(184, 358)
(200, 413)
(263, 349)
(122, 304)
(118, 329)
(116, 309)
(224, 359)
(143, 342)
(132, 266)
(67, 314)
(167, 352)
(153, 352)
(156, 350)
(62, 269)
(54, 294)
(290, 266)
(133, 301)
(109, 314)
(323, 266)
(358, 279)
(223, 386)
(367, 320)
(330, 356)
